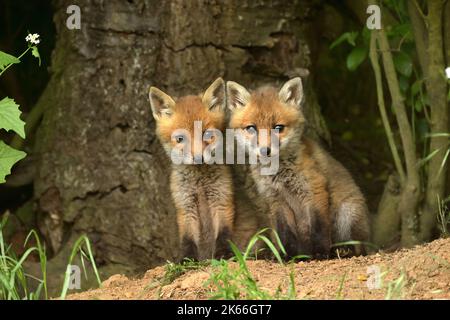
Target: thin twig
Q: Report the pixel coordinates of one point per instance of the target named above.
(419, 9)
(387, 127)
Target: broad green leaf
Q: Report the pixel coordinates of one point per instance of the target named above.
(366, 35)
(6, 59)
(402, 31)
(415, 88)
(35, 53)
(418, 105)
(356, 57)
(403, 64)
(10, 117)
(8, 157)
(350, 37)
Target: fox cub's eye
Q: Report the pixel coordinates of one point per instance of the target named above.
(179, 139)
(279, 128)
(251, 129)
(208, 135)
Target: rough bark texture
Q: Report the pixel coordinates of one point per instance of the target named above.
(410, 194)
(439, 122)
(447, 32)
(386, 224)
(101, 169)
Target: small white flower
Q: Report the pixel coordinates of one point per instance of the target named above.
(447, 72)
(33, 38)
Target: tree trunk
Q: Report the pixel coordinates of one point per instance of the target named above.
(437, 91)
(101, 170)
(386, 224)
(410, 195)
(447, 32)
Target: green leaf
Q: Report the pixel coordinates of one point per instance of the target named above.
(35, 53)
(350, 37)
(366, 35)
(402, 31)
(356, 57)
(418, 105)
(10, 117)
(415, 88)
(403, 64)
(6, 59)
(8, 157)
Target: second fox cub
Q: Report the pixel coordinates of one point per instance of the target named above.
(312, 198)
(202, 193)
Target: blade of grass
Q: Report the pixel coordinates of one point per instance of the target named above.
(341, 287)
(354, 243)
(16, 268)
(280, 245)
(77, 247)
(423, 161)
(272, 248)
(42, 259)
(443, 162)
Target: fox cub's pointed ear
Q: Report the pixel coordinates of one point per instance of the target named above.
(237, 96)
(161, 103)
(292, 92)
(214, 97)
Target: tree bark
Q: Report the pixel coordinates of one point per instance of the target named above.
(410, 194)
(101, 170)
(439, 116)
(420, 35)
(447, 32)
(386, 224)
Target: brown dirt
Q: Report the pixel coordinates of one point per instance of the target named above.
(425, 270)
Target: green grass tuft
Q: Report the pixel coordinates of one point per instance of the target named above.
(395, 288)
(231, 282)
(78, 248)
(176, 270)
(13, 277)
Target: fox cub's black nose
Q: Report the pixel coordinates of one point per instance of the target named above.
(265, 151)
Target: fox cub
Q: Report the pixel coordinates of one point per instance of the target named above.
(313, 200)
(202, 193)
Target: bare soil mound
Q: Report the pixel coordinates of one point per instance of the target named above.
(422, 272)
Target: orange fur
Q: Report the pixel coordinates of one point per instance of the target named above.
(203, 194)
(312, 198)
